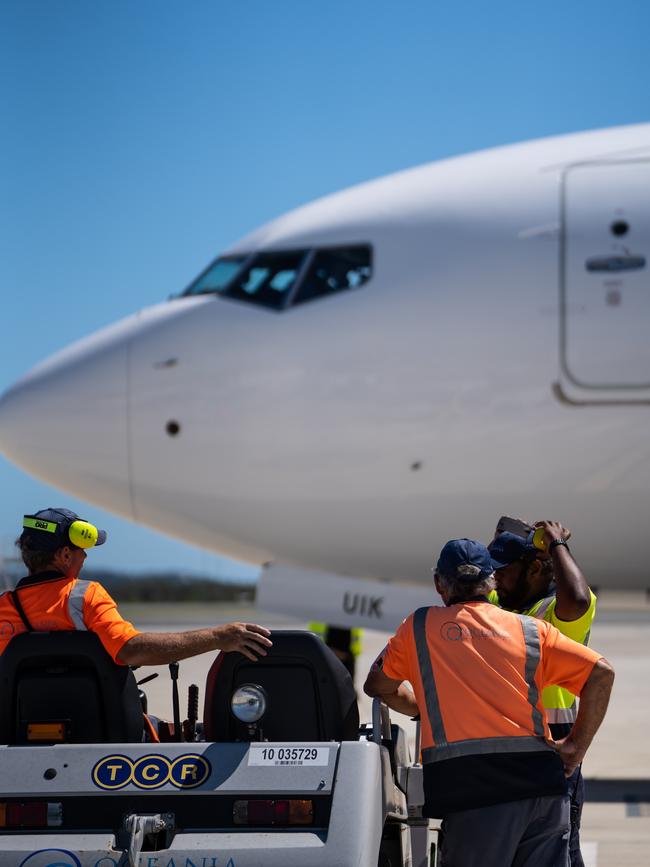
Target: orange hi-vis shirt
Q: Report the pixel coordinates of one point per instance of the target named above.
(488, 668)
(478, 673)
(52, 602)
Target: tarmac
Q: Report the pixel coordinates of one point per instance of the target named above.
(616, 817)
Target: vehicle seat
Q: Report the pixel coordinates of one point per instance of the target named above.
(310, 692)
(67, 677)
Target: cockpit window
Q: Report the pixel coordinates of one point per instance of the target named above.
(282, 279)
(333, 271)
(268, 279)
(217, 276)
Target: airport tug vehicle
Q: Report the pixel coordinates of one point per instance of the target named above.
(279, 773)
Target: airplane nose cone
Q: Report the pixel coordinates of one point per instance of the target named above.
(65, 422)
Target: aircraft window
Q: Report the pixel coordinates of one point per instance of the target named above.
(284, 278)
(268, 280)
(217, 276)
(335, 270)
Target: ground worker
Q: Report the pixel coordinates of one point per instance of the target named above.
(491, 770)
(345, 642)
(53, 545)
(545, 581)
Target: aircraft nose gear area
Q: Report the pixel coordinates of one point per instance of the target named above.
(278, 773)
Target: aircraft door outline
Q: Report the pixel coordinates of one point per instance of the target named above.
(605, 282)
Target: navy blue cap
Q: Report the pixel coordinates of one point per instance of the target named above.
(507, 548)
(54, 533)
(465, 560)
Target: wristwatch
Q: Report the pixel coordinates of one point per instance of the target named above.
(556, 542)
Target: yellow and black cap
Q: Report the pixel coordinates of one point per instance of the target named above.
(50, 529)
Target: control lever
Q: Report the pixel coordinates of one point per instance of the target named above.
(192, 713)
(173, 672)
(142, 694)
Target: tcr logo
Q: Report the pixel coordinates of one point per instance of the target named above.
(151, 772)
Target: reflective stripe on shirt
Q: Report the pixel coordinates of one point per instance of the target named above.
(540, 609)
(76, 604)
(426, 673)
(484, 747)
(531, 639)
(562, 714)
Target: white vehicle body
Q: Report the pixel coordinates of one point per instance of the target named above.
(496, 361)
(345, 793)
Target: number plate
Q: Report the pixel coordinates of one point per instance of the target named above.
(288, 757)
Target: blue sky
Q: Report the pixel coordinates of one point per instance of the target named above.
(140, 138)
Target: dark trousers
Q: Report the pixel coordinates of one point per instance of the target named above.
(529, 833)
(577, 797)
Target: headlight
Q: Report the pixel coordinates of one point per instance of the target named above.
(248, 703)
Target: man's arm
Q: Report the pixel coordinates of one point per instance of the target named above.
(158, 648)
(394, 693)
(594, 699)
(572, 591)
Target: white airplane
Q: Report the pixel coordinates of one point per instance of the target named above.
(391, 366)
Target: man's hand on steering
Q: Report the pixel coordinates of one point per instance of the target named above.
(247, 638)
